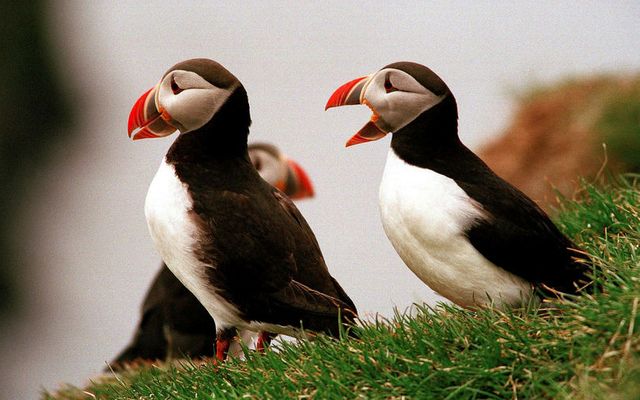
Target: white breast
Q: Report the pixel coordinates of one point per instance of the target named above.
(424, 215)
(175, 234)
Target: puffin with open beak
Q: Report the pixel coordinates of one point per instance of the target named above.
(234, 241)
(465, 232)
(173, 323)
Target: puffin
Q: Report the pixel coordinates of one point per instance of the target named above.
(173, 323)
(237, 243)
(465, 232)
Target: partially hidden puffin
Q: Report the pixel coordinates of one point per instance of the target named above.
(237, 243)
(465, 232)
(173, 323)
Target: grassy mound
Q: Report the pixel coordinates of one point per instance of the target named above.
(582, 347)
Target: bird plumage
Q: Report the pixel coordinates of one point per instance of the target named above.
(235, 242)
(173, 323)
(464, 231)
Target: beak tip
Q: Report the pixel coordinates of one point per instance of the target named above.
(332, 102)
(356, 139)
(347, 94)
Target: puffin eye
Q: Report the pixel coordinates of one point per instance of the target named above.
(174, 87)
(388, 86)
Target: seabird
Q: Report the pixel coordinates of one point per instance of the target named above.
(465, 232)
(238, 244)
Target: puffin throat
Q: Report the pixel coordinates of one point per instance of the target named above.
(434, 133)
(224, 136)
(370, 131)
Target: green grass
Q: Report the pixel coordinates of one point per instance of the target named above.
(585, 347)
(620, 119)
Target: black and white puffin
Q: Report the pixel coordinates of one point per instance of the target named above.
(173, 323)
(465, 232)
(237, 243)
(280, 171)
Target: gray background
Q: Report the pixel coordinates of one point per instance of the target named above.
(84, 233)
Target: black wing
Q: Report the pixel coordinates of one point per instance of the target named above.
(265, 256)
(314, 254)
(173, 324)
(519, 237)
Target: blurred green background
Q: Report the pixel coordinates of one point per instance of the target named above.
(35, 117)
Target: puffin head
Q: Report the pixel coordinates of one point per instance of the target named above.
(398, 94)
(187, 97)
(280, 171)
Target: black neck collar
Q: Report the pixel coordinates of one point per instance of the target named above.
(223, 137)
(431, 139)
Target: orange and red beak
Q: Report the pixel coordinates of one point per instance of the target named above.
(351, 93)
(298, 185)
(146, 121)
(282, 173)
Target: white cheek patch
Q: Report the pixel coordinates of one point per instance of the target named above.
(195, 104)
(189, 80)
(269, 167)
(398, 108)
(404, 107)
(193, 108)
(405, 82)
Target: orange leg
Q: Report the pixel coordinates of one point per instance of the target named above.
(264, 339)
(223, 342)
